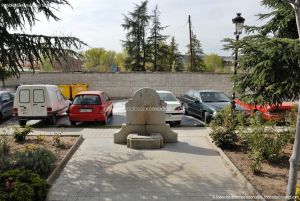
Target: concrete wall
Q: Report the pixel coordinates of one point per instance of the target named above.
(125, 84)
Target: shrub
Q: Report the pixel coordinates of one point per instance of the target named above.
(20, 133)
(223, 128)
(39, 160)
(4, 144)
(265, 138)
(22, 185)
(41, 137)
(5, 163)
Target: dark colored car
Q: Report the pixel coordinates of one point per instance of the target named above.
(205, 103)
(6, 104)
(90, 106)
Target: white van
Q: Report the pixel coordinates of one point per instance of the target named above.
(39, 102)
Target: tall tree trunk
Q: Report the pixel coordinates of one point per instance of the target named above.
(294, 160)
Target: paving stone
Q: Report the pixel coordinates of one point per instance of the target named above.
(190, 170)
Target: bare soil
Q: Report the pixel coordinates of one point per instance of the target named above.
(47, 143)
(272, 181)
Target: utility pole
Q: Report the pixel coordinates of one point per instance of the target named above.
(191, 44)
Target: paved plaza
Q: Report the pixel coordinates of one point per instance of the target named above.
(190, 170)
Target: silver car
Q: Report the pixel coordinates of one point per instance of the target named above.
(175, 111)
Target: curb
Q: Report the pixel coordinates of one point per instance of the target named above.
(56, 172)
(237, 173)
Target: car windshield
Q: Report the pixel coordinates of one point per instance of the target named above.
(167, 97)
(214, 97)
(87, 100)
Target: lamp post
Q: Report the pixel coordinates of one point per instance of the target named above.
(238, 21)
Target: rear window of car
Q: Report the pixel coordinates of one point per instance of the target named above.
(24, 96)
(87, 100)
(167, 97)
(38, 96)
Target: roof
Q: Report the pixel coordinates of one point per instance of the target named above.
(90, 93)
(38, 85)
(6, 91)
(209, 91)
(162, 91)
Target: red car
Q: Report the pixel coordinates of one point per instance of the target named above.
(89, 106)
(269, 112)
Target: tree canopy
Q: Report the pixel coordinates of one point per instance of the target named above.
(136, 23)
(101, 60)
(270, 57)
(156, 39)
(197, 55)
(213, 63)
(17, 47)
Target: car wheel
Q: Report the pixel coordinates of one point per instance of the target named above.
(105, 120)
(177, 123)
(73, 123)
(185, 109)
(52, 120)
(22, 122)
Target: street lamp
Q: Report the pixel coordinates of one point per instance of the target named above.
(238, 21)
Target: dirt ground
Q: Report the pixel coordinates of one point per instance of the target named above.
(46, 143)
(273, 178)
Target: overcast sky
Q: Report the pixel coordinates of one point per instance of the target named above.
(98, 22)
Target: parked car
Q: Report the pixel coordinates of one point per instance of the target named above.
(174, 112)
(39, 102)
(89, 106)
(269, 112)
(205, 103)
(6, 104)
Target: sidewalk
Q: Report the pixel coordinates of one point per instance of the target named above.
(190, 170)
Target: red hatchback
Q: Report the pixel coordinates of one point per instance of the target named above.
(270, 112)
(90, 106)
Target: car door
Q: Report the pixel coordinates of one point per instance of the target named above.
(39, 105)
(189, 101)
(25, 107)
(198, 104)
(6, 104)
(11, 104)
(195, 104)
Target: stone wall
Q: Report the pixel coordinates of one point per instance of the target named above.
(125, 84)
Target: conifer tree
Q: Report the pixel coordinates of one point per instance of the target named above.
(197, 55)
(136, 24)
(18, 47)
(156, 39)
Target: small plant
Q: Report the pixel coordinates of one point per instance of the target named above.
(22, 185)
(4, 144)
(20, 133)
(41, 137)
(297, 193)
(5, 163)
(58, 142)
(30, 147)
(39, 160)
(223, 128)
(256, 162)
